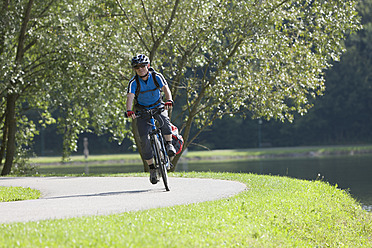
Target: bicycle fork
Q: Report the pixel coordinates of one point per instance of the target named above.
(163, 156)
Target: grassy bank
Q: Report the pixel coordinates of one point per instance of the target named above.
(228, 154)
(8, 194)
(273, 212)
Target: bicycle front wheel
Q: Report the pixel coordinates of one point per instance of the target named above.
(160, 161)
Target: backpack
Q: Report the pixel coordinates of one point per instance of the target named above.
(177, 139)
(138, 88)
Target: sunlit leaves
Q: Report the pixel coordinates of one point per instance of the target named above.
(263, 57)
(73, 52)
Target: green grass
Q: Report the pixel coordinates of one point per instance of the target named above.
(91, 158)
(8, 194)
(273, 212)
(226, 154)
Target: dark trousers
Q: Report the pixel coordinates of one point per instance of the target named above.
(144, 128)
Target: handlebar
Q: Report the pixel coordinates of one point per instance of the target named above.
(151, 112)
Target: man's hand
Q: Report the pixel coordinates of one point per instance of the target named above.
(131, 114)
(168, 104)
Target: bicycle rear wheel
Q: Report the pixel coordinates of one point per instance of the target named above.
(160, 160)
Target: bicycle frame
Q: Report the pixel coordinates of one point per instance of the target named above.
(161, 158)
(159, 136)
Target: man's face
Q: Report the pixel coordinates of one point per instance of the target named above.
(141, 69)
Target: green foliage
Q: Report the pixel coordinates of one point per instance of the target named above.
(348, 97)
(70, 60)
(92, 96)
(266, 59)
(61, 65)
(341, 115)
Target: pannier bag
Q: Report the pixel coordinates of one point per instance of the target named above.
(177, 140)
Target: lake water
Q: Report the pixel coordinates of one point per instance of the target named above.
(353, 173)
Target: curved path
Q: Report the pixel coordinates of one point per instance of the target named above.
(65, 197)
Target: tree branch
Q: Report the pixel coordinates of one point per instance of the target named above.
(46, 8)
(22, 34)
(32, 43)
(157, 42)
(132, 25)
(278, 5)
(149, 21)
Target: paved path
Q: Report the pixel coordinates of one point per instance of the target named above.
(64, 197)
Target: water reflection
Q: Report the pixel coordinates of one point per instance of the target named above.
(353, 173)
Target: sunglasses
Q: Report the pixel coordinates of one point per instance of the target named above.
(139, 66)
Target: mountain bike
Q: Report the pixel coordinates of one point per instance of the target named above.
(161, 160)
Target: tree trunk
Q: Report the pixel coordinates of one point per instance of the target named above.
(12, 97)
(175, 160)
(11, 125)
(3, 142)
(137, 140)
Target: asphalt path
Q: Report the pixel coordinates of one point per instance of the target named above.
(67, 197)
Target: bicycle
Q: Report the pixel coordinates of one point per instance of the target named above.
(161, 159)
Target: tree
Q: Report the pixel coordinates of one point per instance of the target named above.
(14, 45)
(265, 58)
(52, 58)
(342, 115)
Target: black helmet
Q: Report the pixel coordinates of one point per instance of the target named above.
(140, 59)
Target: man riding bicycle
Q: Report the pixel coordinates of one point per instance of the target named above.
(145, 87)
